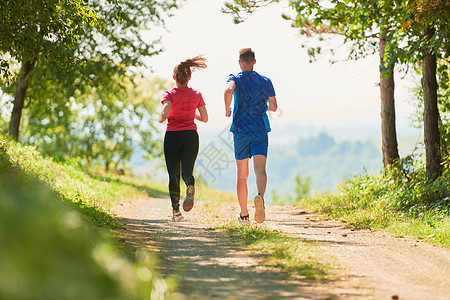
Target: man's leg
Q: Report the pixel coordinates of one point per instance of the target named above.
(259, 165)
(241, 184)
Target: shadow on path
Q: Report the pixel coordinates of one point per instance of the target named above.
(210, 264)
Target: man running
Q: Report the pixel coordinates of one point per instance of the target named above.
(252, 92)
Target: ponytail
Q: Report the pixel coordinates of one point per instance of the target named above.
(182, 72)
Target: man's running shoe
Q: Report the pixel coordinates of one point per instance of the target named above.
(260, 214)
(244, 220)
(188, 202)
(177, 216)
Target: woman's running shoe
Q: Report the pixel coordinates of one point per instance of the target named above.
(177, 216)
(188, 202)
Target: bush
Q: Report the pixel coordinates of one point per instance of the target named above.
(400, 199)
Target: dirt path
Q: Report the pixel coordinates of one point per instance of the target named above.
(373, 265)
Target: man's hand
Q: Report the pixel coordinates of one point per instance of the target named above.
(228, 112)
(272, 104)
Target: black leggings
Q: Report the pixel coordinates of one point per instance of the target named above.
(180, 150)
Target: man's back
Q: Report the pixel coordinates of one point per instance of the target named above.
(250, 101)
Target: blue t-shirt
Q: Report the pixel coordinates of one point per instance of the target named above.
(251, 94)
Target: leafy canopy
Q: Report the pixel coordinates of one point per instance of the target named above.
(44, 29)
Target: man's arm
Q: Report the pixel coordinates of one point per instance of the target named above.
(272, 104)
(228, 97)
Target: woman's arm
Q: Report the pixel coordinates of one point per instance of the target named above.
(165, 112)
(202, 115)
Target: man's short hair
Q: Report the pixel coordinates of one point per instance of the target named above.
(247, 54)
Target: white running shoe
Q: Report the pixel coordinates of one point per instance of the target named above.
(244, 220)
(177, 216)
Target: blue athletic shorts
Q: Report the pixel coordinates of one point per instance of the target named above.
(247, 144)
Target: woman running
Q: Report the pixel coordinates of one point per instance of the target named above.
(182, 105)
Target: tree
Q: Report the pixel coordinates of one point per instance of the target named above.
(367, 26)
(35, 30)
(426, 40)
(408, 32)
(443, 105)
(431, 112)
(429, 23)
(101, 125)
(23, 82)
(32, 29)
(102, 53)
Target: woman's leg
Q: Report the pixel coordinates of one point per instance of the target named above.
(188, 156)
(172, 151)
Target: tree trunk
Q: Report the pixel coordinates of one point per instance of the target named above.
(19, 98)
(107, 164)
(431, 112)
(388, 131)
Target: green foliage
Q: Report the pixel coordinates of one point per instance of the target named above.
(284, 252)
(401, 200)
(61, 32)
(102, 125)
(418, 16)
(99, 110)
(125, 22)
(362, 23)
(412, 192)
(105, 56)
(49, 249)
(93, 195)
(42, 29)
(302, 186)
(277, 199)
(242, 9)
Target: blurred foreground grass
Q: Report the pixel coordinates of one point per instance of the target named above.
(51, 247)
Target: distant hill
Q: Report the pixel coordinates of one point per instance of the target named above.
(327, 155)
(323, 158)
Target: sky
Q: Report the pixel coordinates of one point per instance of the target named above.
(316, 94)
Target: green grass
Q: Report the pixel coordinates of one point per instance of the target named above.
(401, 202)
(55, 233)
(289, 254)
(94, 193)
(59, 234)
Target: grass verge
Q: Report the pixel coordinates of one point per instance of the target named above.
(93, 193)
(55, 233)
(286, 253)
(403, 203)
